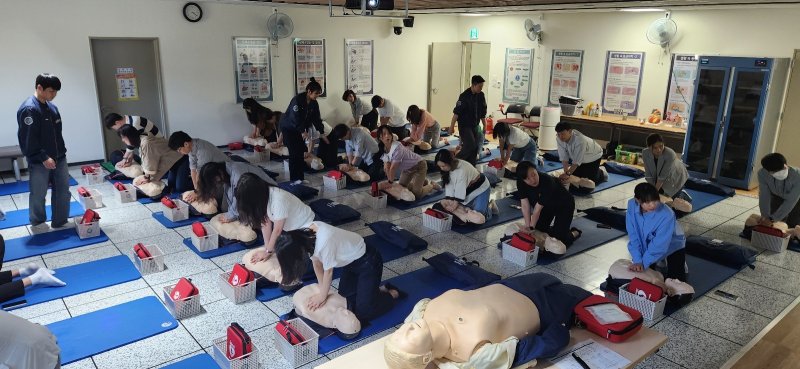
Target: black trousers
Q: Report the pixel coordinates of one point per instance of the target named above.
(359, 284)
(370, 120)
(793, 219)
(676, 265)
(329, 153)
(375, 170)
(590, 171)
(469, 143)
(117, 155)
(9, 289)
(179, 177)
(297, 146)
(401, 132)
(557, 221)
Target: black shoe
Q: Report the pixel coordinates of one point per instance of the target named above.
(400, 293)
(575, 230)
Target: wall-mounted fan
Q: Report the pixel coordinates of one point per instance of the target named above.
(533, 30)
(279, 25)
(662, 32)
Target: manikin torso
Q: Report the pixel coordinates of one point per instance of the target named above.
(333, 314)
(490, 314)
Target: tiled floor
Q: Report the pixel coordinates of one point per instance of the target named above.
(702, 335)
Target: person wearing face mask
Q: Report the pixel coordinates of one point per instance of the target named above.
(665, 170)
(778, 191)
(654, 233)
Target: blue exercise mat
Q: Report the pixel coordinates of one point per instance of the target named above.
(590, 238)
(45, 243)
(147, 200)
(550, 166)
(701, 200)
(202, 361)
(97, 332)
(495, 154)
(159, 216)
(223, 250)
(507, 214)
(613, 181)
(704, 275)
(23, 186)
(81, 278)
(419, 284)
(405, 205)
(16, 218)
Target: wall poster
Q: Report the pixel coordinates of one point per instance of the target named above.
(309, 61)
(359, 69)
(126, 85)
(565, 74)
(518, 75)
(681, 89)
(252, 68)
(622, 83)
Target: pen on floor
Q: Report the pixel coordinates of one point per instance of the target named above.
(580, 361)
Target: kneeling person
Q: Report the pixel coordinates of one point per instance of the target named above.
(466, 191)
(553, 205)
(778, 191)
(580, 155)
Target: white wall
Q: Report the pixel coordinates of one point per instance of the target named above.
(197, 65)
(735, 32)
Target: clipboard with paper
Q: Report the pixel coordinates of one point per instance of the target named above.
(593, 355)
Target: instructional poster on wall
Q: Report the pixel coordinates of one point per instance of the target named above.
(359, 56)
(126, 85)
(681, 89)
(309, 61)
(622, 82)
(253, 68)
(517, 76)
(565, 74)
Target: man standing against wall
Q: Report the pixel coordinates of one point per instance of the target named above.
(470, 111)
(42, 144)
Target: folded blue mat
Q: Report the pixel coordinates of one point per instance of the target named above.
(16, 218)
(507, 214)
(613, 181)
(405, 205)
(301, 191)
(23, 186)
(97, 332)
(159, 216)
(45, 243)
(419, 284)
(82, 278)
(202, 361)
(223, 250)
(704, 275)
(591, 238)
(388, 253)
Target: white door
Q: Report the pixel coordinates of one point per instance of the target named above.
(444, 80)
(789, 129)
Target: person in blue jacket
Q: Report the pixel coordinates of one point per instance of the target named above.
(39, 133)
(654, 233)
(301, 115)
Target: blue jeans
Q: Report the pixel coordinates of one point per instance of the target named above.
(481, 204)
(179, 177)
(525, 153)
(60, 197)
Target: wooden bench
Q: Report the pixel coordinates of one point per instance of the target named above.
(14, 153)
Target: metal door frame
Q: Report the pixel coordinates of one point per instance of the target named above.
(726, 84)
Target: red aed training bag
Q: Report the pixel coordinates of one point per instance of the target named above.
(119, 186)
(90, 216)
(240, 275)
(236, 146)
(183, 290)
(335, 174)
(645, 289)
(199, 230)
(494, 163)
(238, 342)
(141, 251)
(762, 229)
(87, 169)
(288, 333)
(166, 201)
(82, 191)
(435, 213)
(523, 241)
(615, 332)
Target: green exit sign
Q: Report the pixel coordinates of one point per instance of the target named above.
(473, 33)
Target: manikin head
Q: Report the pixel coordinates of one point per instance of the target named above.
(564, 131)
(656, 144)
(647, 197)
(410, 347)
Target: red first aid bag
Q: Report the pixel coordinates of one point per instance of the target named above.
(645, 289)
(523, 241)
(258, 148)
(199, 230)
(90, 216)
(762, 229)
(183, 290)
(119, 186)
(375, 191)
(288, 333)
(240, 275)
(614, 332)
(238, 342)
(236, 146)
(141, 251)
(335, 174)
(494, 163)
(435, 213)
(166, 201)
(87, 169)
(82, 191)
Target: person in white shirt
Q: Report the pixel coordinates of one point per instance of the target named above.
(362, 150)
(261, 204)
(145, 127)
(391, 115)
(464, 187)
(329, 247)
(515, 144)
(580, 155)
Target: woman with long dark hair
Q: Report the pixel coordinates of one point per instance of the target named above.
(396, 157)
(301, 115)
(466, 190)
(423, 126)
(262, 119)
(216, 177)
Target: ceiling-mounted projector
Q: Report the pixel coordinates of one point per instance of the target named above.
(370, 4)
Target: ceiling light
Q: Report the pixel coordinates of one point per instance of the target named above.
(643, 10)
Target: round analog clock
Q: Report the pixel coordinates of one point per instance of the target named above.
(192, 12)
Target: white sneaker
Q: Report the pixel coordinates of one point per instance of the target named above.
(66, 225)
(39, 228)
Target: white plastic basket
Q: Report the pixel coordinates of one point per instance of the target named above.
(568, 109)
(378, 202)
(153, 264)
(181, 211)
(258, 156)
(436, 224)
(650, 309)
(86, 230)
(769, 242)
(249, 361)
(94, 201)
(237, 294)
(519, 257)
(129, 195)
(611, 296)
(303, 352)
(209, 242)
(333, 183)
(183, 308)
(498, 172)
(95, 178)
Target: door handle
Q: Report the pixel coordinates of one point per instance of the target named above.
(435, 91)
